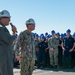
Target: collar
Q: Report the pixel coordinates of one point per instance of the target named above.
(28, 32)
(69, 36)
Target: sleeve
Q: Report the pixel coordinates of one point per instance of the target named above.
(74, 41)
(18, 44)
(60, 42)
(34, 52)
(39, 45)
(46, 45)
(63, 40)
(17, 49)
(20, 39)
(6, 37)
(49, 44)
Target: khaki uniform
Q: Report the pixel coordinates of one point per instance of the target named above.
(26, 42)
(53, 43)
(6, 59)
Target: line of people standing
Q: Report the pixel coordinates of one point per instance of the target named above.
(56, 51)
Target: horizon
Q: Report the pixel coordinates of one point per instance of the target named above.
(58, 15)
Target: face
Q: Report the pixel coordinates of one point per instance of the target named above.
(68, 33)
(46, 39)
(5, 20)
(31, 27)
(53, 34)
(57, 35)
(42, 39)
(36, 38)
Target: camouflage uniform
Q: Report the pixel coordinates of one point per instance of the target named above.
(53, 43)
(26, 42)
(13, 49)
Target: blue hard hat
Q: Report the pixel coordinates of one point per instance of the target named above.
(42, 34)
(46, 33)
(52, 31)
(42, 37)
(68, 30)
(58, 33)
(36, 35)
(62, 35)
(49, 36)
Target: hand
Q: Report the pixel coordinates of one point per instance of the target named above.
(63, 49)
(71, 50)
(14, 29)
(45, 50)
(18, 57)
(51, 49)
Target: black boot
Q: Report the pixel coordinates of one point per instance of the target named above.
(51, 66)
(55, 66)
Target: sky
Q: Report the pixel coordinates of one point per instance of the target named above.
(58, 15)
